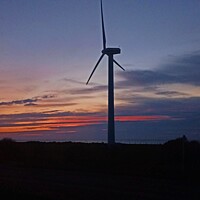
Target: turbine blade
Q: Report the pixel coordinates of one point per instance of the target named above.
(95, 68)
(103, 29)
(118, 64)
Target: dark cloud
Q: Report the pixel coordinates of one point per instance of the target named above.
(18, 102)
(183, 69)
(185, 64)
(34, 116)
(56, 105)
(51, 111)
(145, 78)
(26, 102)
(48, 96)
(30, 104)
(89, 90)
(175, 107)
(170, 93)
(73, 81)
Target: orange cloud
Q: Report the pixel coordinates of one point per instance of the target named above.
(141, 118)
(59, 122)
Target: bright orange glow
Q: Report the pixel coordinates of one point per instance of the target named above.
(140, 118)
(56, 123)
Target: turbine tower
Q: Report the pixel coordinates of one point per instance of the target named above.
(110, 52)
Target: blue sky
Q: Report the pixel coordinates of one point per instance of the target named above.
(48, 49)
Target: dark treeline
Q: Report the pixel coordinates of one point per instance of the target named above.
(174, 159)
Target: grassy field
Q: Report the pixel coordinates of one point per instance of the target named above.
(36, 170)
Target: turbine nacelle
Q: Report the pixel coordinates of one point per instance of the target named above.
(109, 51)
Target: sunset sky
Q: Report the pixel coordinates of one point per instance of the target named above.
(48, 49)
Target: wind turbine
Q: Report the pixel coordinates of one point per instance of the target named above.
(110, 52)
